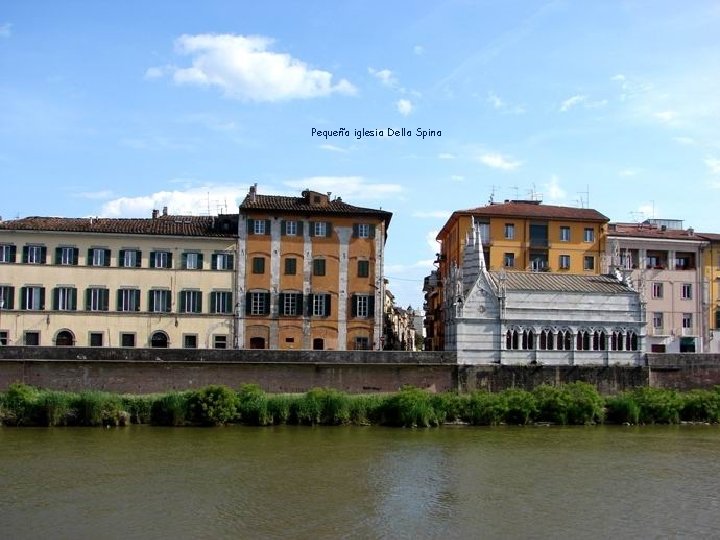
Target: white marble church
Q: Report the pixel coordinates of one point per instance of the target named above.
(540, 317)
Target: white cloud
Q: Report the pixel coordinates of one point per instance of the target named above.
(553, 191)
(419, 50)
(571, 102)
(630, 171)
(495, 101)
(5, 30)
(431, 242)
(446, 155)
(385, 76)
(498, 161)
(687, 141)
(647, 211)
(192, 201)
(244, 68)
(155, 72)
(500, 105)
(457, 178)
(404, 106)
(440, 214)
(95, 195)
(350, 188)
(333, 148)
(402, 268)
(713, 164)
(665, 116)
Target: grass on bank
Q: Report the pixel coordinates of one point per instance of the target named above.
(570, 404)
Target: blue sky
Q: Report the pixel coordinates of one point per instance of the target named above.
(115, 108)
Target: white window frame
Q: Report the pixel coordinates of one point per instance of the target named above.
(363, 230)
(5, 253)
(320, 228)
(586, 259)
(191, 300)
(318, 307)
(657, 289)
(64, 298)
(160, 300)
(223, 301)
(98, 257)
(257, 303)
(259, 226)
(589, 235)
(222, 261)
(687, 320)
(291, 228)
(192, 261)
(658, 319)
(686, 291)
(564, 233)
(67, 255)
(130, 258)
(363, 305)
(510, 231)
(290, 305)
(127, 300)
(509, 260)
(161, 259)
(96, 297)
(33, 297)
(564, 262)
(34, 254)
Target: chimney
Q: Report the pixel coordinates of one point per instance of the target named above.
(155, 213)
(253, 192)
(164, 210)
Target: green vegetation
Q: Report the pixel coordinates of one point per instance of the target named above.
(570, 404)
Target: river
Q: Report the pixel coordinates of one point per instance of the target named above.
(365, 483)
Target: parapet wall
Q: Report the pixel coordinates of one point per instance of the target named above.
(684, 371)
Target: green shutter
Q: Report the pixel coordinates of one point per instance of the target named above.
(121, 258)
(354, 305)
(267, 303)
(328, 299)
(76, 251)
(108, 254)
(247, 303)
(169, 260)
(105, 299)
(89, 259)
(299, 300)
(200, 261)
(213, 261)
(372, 230)
(251, 226)
(55, 298)
(231, 262)
(183, 260)
(356, 230)
(58, 255)
(283, 228)
(328, 229)
(152, 259)
(26, 249)
(213, 302)
(312, 228)
(43, 255)
(138, 259)
(168, 302)
(42, 297)
(281, 304)
(151, 301)
(309, 304)
(23, 297)
(300, 227)
(137, 299)
(267, 226)
(118, 306)
(371, 306)
(73, 299)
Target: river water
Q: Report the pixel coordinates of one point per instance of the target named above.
(350, 482)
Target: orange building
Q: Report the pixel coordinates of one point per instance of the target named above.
(310, 273)
(516, 235)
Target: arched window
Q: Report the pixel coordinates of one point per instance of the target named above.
(257, 343)
(633, 341)
(583, 341)
(318, 344)
(528, 340)
(564, 340)
(512, 339)
(603, 341)
(617, 341)
(64, 338)
(159, 340)
(547, 340)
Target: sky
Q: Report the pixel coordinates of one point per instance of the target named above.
(115, 108)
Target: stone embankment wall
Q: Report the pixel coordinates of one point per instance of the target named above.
(159, 370)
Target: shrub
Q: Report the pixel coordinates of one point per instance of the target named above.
(586, 405)
(519, 406)
(170, 409)
(658, 406)
(622, 409)
(253, 406)
(213, 405)
(484, 408)
(552, 403)
(322, 406)
(56, 408)
(449, 406)
(700, 406)
(279, 408)
(96, 408)
(21, 403)
(411, 407)
(365, 410)
(139, 408)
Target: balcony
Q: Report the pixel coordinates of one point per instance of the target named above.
(686, 332)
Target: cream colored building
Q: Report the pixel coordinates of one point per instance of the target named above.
(164, 281)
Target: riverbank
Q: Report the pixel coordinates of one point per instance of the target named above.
(570, 404)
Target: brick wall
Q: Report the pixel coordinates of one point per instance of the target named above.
(684, 371)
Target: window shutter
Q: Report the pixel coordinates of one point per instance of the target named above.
(152, 259)
(183, 260)
(267, 226)
(56, 298)
(121, 258)
(251, 226)
(10, 300)
(213, 302)
(198, 307)
(354, 305)
(119, 299)
(231, 262)
(309, 305)
(23, 297)
(372, 230)
(300, 227)
(200, 261)
(168, 301)
(138, 259)
(248, 301)
(151, 301)
(327, 305)
(328, 229)
(213, 261)
(73, 299)
(88, 298)
(267, 303)
(282, 228)
(169, 260)
(25, 255)
(106, 262)
(371, 306)
(312, 228)
(356, 230)
(76, 251)
(43, 255)
(105, 299)
(136, 293)
(89, 260)
(281, 303)
(58, 255)
(42, 297)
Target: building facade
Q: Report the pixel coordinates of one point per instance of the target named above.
(712, 278)
(310, 273)
(166, 281)
(522, 235)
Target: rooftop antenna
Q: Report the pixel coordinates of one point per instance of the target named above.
(517, 192)
(492, 194)
(637, 216)
(208, 203)
(585, 201)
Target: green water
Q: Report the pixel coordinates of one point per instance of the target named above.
(299, 482)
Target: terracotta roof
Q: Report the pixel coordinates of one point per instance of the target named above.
(535, 209)
(164, 225)
(714, 237)
(643, 230)
(552, 281)
(300, 205)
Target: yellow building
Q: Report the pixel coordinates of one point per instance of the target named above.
(516, 235)
(711, 258)
(165, 281)
(310, 273)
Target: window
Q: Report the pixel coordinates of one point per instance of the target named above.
(220, 342)
(657, 290)
(290, 266)
(7, 253)
(32, 298)
(657, 320)
(258, 265)
(509, 260)
(320, 305)
(127, 339)
(3, 337)
(363, 305)
(362, 343)
(222, 261)
(588, 262)
(7, 297)
(65, 298)
(363, 230)
(130, 258)
(318, 267)
(258, 226)
(510, 231)
(686, 291)
(160, 259)
(128, 300)
(98, 257)
(34, 254)
(687, 321)
(564, 233)
(159, 340)
(66, 255)
(363, 269)
(290, 228)
(320, 228)
(717, 320)
(159, 301)
(190, 302)
(257, 303)
(221, 302)
(564, 262)
(31, 338)
(190, 341)
(589, 235)
(291, 304)
(96, 339)
(97, 299)
(192, 261)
